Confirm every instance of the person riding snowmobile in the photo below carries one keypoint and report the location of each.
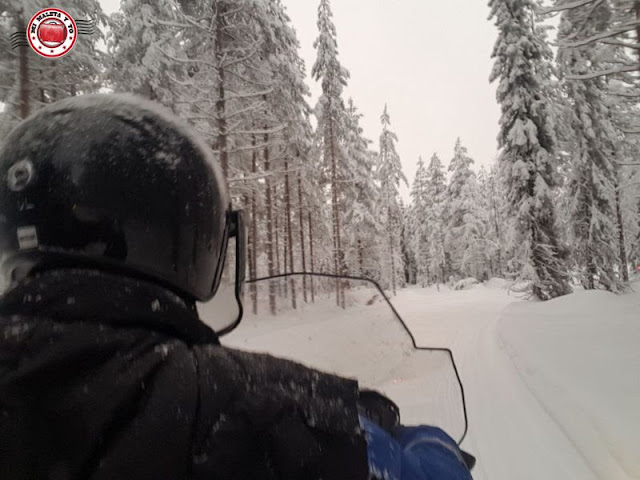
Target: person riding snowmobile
(114, 221)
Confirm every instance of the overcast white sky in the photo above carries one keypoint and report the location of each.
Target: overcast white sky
(429, 61)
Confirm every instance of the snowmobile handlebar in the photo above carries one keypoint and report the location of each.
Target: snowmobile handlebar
(386, 414)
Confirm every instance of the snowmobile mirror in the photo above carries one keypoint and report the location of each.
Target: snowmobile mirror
(224, 311)
(348, 327)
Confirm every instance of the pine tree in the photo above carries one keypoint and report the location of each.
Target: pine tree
(493, 207)
(436, 194)
(138, 37)
(612, 26)
(458, 201)
(418, 225)
(592, 177)
(526, 139)
(359, 195)
(390, 175)
(475, 233)
(331, 113)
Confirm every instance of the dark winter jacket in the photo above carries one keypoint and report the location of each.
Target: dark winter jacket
(103, 377)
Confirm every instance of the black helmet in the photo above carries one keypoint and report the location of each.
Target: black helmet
(115, 183)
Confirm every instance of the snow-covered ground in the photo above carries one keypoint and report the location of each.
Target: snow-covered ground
(553, 389)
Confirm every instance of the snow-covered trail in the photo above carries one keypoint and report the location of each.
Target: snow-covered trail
(510, 432)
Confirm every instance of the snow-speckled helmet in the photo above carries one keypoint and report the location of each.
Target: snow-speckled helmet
(115, 183)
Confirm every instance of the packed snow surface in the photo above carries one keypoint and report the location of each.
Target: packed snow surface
(552, 389)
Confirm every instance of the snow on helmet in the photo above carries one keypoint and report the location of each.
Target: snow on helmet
(115, 183)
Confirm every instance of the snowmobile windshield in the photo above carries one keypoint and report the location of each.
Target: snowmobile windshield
(346, 326)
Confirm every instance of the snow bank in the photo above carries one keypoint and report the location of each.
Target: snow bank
(579, 357)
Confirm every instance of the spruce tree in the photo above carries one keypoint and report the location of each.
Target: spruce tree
(359, 194)
(137, 39)
(418, 224)
(390, 176)
(435, 216)
(526, 140)
(591, 144)
(458, 207)
(330, 113)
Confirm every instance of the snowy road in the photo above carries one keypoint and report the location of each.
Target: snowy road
(509, 431)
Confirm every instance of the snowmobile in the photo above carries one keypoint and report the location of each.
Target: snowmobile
(347, 326)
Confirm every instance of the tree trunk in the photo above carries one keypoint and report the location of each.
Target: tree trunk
(25, 104)
(636, 265)
(221, 141)
(253, 236)
(334, 206)
(498, 239)
(285, 252)
(360, 258)
(287, 199)
(591, 275)
(313, 293)
(270, 259)
(636, 7)
(302, 249)
(276, 212)
(623, 250)
(392, 252)
(428, 272)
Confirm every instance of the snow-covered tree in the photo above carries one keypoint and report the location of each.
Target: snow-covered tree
(526, 140)
(390, 176)
(359, 194)
(592, 177)
(331, 113)
(458, 201)
(418, 225)
(495, 212)
(475, 233)
(436, 194)
(609, 25)
(137, 38)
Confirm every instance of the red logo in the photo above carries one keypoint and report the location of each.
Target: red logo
(52, 33)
